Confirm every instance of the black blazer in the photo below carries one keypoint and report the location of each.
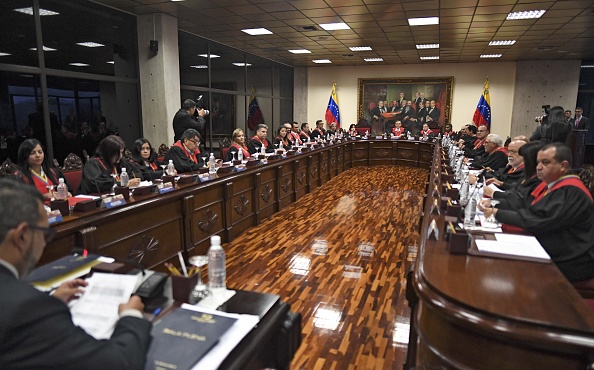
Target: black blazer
(37, 332)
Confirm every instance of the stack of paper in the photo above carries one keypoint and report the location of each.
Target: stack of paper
(514, 246)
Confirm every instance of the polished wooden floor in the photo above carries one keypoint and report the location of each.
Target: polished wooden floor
(338, 256)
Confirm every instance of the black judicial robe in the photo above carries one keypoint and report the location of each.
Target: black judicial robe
(494, 160)
(37, 333)
(563, 222)
(255, 144)
(518, 196)
(317, 133)
(182, 161)
(509, 176)
(97, 178)
(286, 145)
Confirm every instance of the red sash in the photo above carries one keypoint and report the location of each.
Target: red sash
(296, 136)
(265, 142)
(115, 171)
(569, 180)
(397, 131)
(192, 156)
(305, 133)
(41, 184)
(449, 133)
(153, 166)
(479, 143)
(246, 154)
(512, 170)
(320, 131)
(426, 133)
(501, 149)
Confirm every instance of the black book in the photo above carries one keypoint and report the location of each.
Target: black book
(53, 271)
(183, 337)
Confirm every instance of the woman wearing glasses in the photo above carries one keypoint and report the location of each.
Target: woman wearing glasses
(145, 158)
(185, 153)
(34, 169)
(100, 172)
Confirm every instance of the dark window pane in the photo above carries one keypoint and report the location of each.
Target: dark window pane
(18, 33)
(109, 36)
(193, 68)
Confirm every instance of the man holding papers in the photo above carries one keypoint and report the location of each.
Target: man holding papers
(559, 212)
(36, 330)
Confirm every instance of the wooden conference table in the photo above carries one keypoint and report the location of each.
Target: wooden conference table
(474, 312)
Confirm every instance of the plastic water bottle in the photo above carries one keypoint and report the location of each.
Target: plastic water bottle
(62, 189)
(470, 213)
(262, 150)
(212, 166)
(170, 168)
(124, 179)
(217, 271)
(240, 155)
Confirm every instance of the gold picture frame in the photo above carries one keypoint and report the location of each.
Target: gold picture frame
(371, 90)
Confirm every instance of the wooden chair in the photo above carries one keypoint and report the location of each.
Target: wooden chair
(224, 145)
(8, 168)
(72, 162)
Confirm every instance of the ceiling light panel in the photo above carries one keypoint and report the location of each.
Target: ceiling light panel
(360, 48)
(257, 31)
(300, 51)
(29, 11)
(90, 44)
(430, 58)
(211, 56)
(428, 46)
(335, 26)
(502, 43)
(423, 21)
(200, 66)
(79, 64)
(321, 61)
(373, 59)
(531, 14)
(491, 56)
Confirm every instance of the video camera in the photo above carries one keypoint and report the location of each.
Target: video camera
(200, 105)
(540, 119)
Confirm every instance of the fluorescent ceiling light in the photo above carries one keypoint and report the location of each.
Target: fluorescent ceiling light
(423, 21)
(90, 44)
(319, 61)
(360, 48)
(502, 43)
(29, 11)
(531, 14)
(200, 66)
(588, 66)
(429, 58)
(45, 48)
(257, 31)
(335, 26)
(211, 56)
(79, 64)
(300, 51)
(242, 64)
(111, 62)
(4, 54)
(491, 56)
(428, 46)
(373, 59)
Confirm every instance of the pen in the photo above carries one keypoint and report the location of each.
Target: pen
(155, 314)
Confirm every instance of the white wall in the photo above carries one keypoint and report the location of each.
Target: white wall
(468, 87)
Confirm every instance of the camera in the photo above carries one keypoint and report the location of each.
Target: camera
(200, 105)
(547, 109)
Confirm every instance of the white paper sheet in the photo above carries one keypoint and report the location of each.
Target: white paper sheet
(515, 245)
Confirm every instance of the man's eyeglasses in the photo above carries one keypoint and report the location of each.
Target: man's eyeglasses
(196, 142)
(48, 232)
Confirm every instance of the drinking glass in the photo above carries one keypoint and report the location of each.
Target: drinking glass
(163, 166)
(50, 189)
(200, 291)
(204, 161)
(491, 218)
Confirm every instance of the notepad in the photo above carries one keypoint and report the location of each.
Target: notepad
(513, 246)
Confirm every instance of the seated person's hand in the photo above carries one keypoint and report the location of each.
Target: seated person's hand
(135, 303)
(488, 211)
(70, 290)
(488, 169)
(472, 179)
(494, 181)
(483, 204)
(134, 182)
(488, 192)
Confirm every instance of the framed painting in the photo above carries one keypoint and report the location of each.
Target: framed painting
(381, 102)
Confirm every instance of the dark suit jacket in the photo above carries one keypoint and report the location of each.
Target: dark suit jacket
(584, 123)
(434, 114)
(36, 332)
(255, 145)
(183, 121)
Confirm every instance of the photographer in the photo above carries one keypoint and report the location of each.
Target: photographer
(184, 119)
(552, 128)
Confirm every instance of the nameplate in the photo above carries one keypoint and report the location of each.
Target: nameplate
(165, 188)
(54, 216)
(204, 177)
(379, 137)
(239, 168)
(115, 201)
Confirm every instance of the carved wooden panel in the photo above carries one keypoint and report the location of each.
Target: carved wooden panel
(144, 249)
(324, 166)
(405, 154)
(241, 205)
(301, 177)
(285, 183)
(359, 154)
(382, 153)
(208, 220)
(314, 171)
(266, 193)
(425, 156)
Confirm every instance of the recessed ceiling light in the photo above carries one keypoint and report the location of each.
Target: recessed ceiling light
(4, 54)
(300, 51)
(111, 62)
(257, 31)
(588, 66)
(321, 61)
(531, 14)
(423, 21)
(242, 64)
(491, 56)
(373, 59)
(200, 66)
(360, 48)
(79, 64)
(27, 76)
(502, 43)
(429, 58)
(45, 48)
(90, 44)
(335, 26)
(428, 46)
(211, 56)
(29, 11)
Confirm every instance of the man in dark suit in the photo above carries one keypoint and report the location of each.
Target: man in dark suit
(417, 100)
(568, 118)
(580, 122)
(376, 112)
(184, 119)
(433, 114)
(36, 329)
